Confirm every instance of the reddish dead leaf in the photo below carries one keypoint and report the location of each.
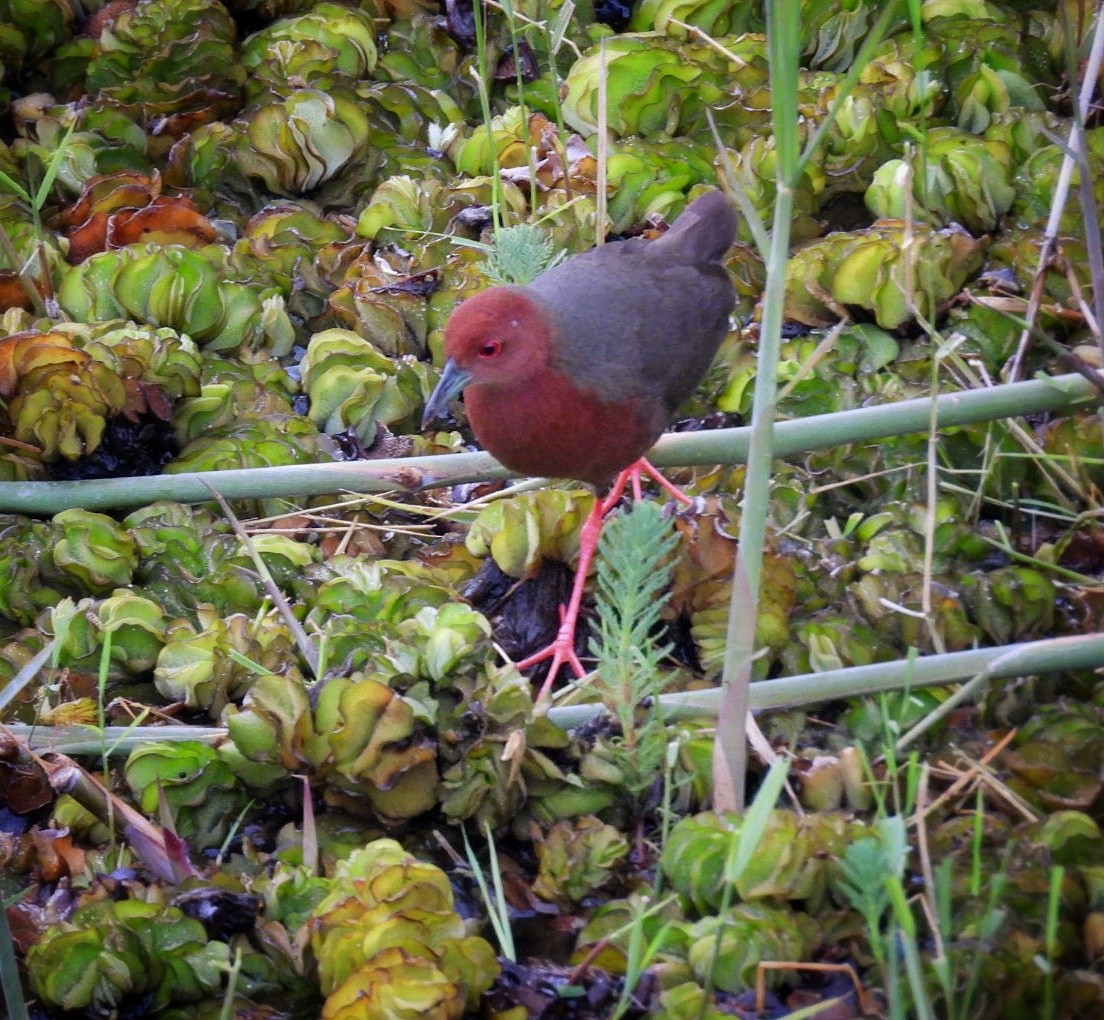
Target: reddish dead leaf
(24, 786)
(87, 239)
(710, 555)
(22, 353)
(156, 401)
(105, 193)
(27, 922)
(56, 857)
(189, 112)
(115, 210)
(359, 542)
(12, 292)
(553, 161)
(107, 15)
(162, 852)
(165, 220)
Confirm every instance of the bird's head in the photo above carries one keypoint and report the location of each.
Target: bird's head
(500, 337)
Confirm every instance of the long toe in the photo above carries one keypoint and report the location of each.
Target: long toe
(561, 652)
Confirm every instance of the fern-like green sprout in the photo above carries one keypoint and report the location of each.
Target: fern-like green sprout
(633, 573)
(520, 254)
(864, 868)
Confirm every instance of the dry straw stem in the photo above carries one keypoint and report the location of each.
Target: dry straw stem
(1075, 153)
(783, 49)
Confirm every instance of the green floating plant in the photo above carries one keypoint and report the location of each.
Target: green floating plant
(213, 662)
(165, 285)
(1037, 178)
(715, 17)
(327, 44)
(795, 858)
(955, 177)
(522, 532)
(40, 25)
(303, 140)
(726, 949)
(136, 626)
(66, 384)
(874, 270)
(389, 941)
(577, 857)
(113, 955)
(352, 385)
(203, 795)
(187, 42)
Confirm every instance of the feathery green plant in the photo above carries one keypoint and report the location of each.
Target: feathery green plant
(634, 569)
(865, 866)
(520, 254)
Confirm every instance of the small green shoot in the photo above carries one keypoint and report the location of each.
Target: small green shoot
(864, 868)
(741, 848)
(482, 73)
(101, 720)
(906, 936)
(233, 975)
(520, 254)
(498, 910)
(638, 957)
(976, 863)
(224, 850)
(37, 200)
(992, 919)
(1054, 903)
(634, 570)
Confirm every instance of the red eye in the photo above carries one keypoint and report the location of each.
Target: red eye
(490, 349)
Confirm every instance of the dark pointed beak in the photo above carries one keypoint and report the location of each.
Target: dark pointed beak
(452, 381)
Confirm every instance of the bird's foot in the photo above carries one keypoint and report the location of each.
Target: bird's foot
(631, 476)
(561, 652)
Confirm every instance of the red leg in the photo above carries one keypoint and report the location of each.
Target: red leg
(562, 649)
(644, 467)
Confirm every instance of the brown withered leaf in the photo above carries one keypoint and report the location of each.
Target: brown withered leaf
(25, 352)
(525, 60)
(553, 162)
(165, 220)
(115, 210)
(105, 193)
(12, 292)
(188, 112)
(24, 786)
(57, 857)
(107, 15)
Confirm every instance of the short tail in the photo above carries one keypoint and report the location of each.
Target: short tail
(704, 231)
